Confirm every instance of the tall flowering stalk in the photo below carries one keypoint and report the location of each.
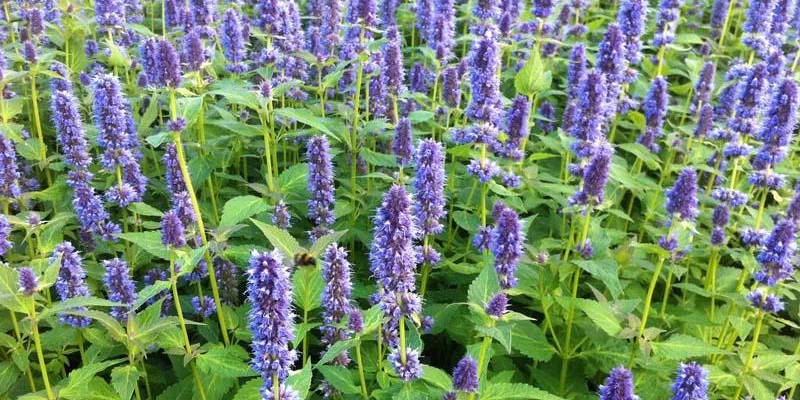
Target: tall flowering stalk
(757, 26)
(29, 286)
(632, 18)
(71, 282)
(618, 385)
(235, 33)
(271, 322)
(393, 262)
(119, 141)
(669, 12)
(320, 185)
(71, 137)
(681, 206)
(429, 183)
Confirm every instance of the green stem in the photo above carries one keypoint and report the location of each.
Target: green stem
(361, 378)
(39, 353)
(15, 324)
(487, 341)
(749, 360)
(200, 225)
(647, 302)
(186, 343)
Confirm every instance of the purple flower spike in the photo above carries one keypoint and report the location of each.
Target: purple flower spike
(28, 281)
(402, 145)
(682, 197)
(205, 307)
(465, 375)
(336, 297)
(443, 30)
(411, 370)
(320, 182)
(777, 258)
(778, 128)
(595, 177)
(719, 12)
(632, 21)
(618, 385)
(5, 232)
(281, 217)
(769, 303)
(506, 244)
(484, 62)
(429, 183)
(588, 121)
(691, 382)
(10, 175)
(120, 288)
(392, 255)
(516, 128)
(271, 318)
(71, 282)
(655, 110)
(234, 34)
(756, 26)
(669, 12)
(704, 86)
(497, 305)
(172, 230)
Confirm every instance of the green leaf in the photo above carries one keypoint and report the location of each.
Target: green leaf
(600, 314)
(8, 375)
(322, 243)
(307, 117)
(532, 78)
(333, 351)
(531, 341)
(240, 208)
(235, 92)
(9, 289)
(510, 391)
(483, 287)
(340, 378)
(436, 377)
(419, 116)
(149, 291)
(279, 238)
(681, 347)
(605, 270)
(237, 127)
(221, 361)
(72, 303)
(250, 390)
(145, 209)
(501, 333)
(642, 153)
(78, 380)
(149, 241)
(307, 284)
(301, 381)
(124, 379)
(179, 391)
(378, 159)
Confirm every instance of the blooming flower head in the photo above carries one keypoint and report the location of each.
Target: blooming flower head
(271, 317)
(429, 184)
(497, 305)
(204, 307)
(631, 18)
(402, 145)
(120, 287)
(392, 255)
(778, 128)
(172, 230)
(691, 382)
(320, 182)
(234, 34)
(484, 61)
(516, 127)
(757, 27)
(667, 22)
(704, 86)
(336, 297)
(443, 29)
(411, 369)
(71, 281)
(618, 385)
(655, 110)
(589, 121)
(719, 13)
(506, 244)
(5, 232)
(682, 197)
(281, 217)
(9, 169)
(769, 303)
(777, 257)
(465, 375)
(595, 177)
(28, 281)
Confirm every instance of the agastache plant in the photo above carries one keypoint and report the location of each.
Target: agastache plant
(320, 185)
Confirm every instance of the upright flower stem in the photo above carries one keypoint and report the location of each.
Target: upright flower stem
(200, 226)
(361, 378)
(725, 24)
(749, 360)
(566, 350)
(186, 343)
(37, 124)
(487, 341)
(132, 358)
(37, 341)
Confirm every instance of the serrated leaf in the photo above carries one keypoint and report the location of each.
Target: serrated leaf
(322, 243)
(149, 241)
(605, 270)
(340, 378)
(307, 284)
(124, 380)
(379, 159)
(682, 347)
(301, 381)
(334, 351)
(483, 287)
(78, 381)
(240, 208)
(307, 117)
(510, 391)
(531, 341)
(87, 301)
(532, 78)
(601, 314)
(279, 238)
(221, 361)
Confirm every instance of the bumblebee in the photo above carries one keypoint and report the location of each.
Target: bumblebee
(305, 259)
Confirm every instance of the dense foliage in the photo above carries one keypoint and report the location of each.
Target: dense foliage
(485, 199)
